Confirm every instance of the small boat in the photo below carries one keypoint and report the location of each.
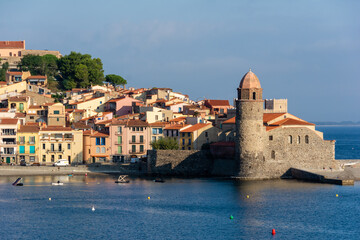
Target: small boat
(58, 183)
(122, 179)
(159, 180)
(18, 183)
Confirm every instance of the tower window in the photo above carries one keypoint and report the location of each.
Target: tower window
(307, 139)
(298, 141)
(254, 95)
(272, 154)
(271, 137)
(290, 139)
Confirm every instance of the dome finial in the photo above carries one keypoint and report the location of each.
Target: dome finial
(249, 69)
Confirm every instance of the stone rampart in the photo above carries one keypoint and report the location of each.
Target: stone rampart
(179, 162)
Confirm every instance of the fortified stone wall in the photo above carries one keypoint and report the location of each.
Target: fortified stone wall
(179, 162)
(295, 148)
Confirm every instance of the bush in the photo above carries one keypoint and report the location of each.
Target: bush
(165, 144)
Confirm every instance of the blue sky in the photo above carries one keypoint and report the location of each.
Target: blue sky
(306, 51)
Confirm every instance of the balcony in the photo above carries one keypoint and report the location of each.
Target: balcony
(20, 143)
(118, 133)
(136, 142)
(118, 143)
(31, 142)
(55, 151)
(136, 152)
(8, 133)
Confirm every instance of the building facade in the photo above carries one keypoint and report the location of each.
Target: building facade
(28, 144)
(8, 136)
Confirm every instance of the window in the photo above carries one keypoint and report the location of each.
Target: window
(32, 158)
(102, 142)
(307, 139)
(100, 102)
(52, 158)
(189, 134)
(183, 134)
(141, 139)
(103, 150)
(32, 117)
(273, 154)
(206, 134)
(119, 149)
(290, 139)
(60, 147)
(52, 147)
(32, 149)
(189, 148)
(183, 148)
(98, 150)
(57, 119)
(119, 139)
(160, 131)
(31, 140)
(183, 142)
(44, 158)
(60, 157)
(156, 117)
(97, 141)
(189, 141)
(137, 129)
(254, 95)
(271, 137)
(133, 129)
(133, 148)
(298, 140)
(141, 148)
(153, 139)
(22, 140)
(133, 138)
(119, 130)
(69, 146)
(141, 129)
(56, 112)
(154, 131)
(43, 145)
(21, 149)
(21, 106)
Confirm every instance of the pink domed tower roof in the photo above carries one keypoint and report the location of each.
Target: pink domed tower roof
(250, 80)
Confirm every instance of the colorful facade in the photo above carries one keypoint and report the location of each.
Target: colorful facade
(28, 144)
(96, 147)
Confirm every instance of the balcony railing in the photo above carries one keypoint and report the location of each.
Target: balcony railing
(31, 142)
(8, 134)
(136, 152)
(55, 151)
(8, 143)
(136, 142)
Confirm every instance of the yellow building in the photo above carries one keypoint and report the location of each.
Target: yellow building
(93, 104)
(60, 143)
(194, 137)
(19, 103)
(28, 142)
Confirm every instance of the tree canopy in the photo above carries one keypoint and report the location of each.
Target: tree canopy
(3, 70)
(40, 65)
(165, 144)
(115, 80)
(80, 70)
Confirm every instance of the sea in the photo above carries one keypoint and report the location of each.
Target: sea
(94, 207)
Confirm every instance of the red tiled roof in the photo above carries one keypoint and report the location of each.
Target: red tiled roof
(14, 73)
(178, 119)
(29, 128)
(136, 123)
(36, 77)
(55, 129)
(218, 102)
(20, 115)
(267, 117)
(76, 103)
(176, 127)
(8, 120)
(157, 124)
(196, 127)
(290, 121)
(18, 99)
(230, 121)
(4, 109)
(12, 44)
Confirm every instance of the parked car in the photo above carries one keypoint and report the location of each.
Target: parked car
(61, 163)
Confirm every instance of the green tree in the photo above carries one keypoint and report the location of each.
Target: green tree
(40, 65)
(115, 80)
(165, 144)
(3, 70)
(80, 70)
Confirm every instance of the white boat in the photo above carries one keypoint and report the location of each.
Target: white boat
(57, 183)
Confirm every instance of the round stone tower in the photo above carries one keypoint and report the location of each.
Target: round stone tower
(249, 128)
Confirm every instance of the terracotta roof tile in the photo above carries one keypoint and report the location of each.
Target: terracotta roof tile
(230, 121)
(18, 99)
(12, 44)
(56, 129)
(217, 102)
(196, 127)
(176, 126)
(36, 77)
(29, 128)
(267, 117)
(290, 121)
(8, 120)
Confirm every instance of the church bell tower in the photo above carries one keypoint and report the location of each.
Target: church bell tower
(249, 128)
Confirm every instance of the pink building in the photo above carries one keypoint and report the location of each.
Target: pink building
(121, 106)
(217, 106)
(129, 139)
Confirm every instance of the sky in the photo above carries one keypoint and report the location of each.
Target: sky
(305, 51)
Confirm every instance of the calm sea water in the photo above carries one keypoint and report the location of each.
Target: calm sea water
(347, 138)
(181, 208)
